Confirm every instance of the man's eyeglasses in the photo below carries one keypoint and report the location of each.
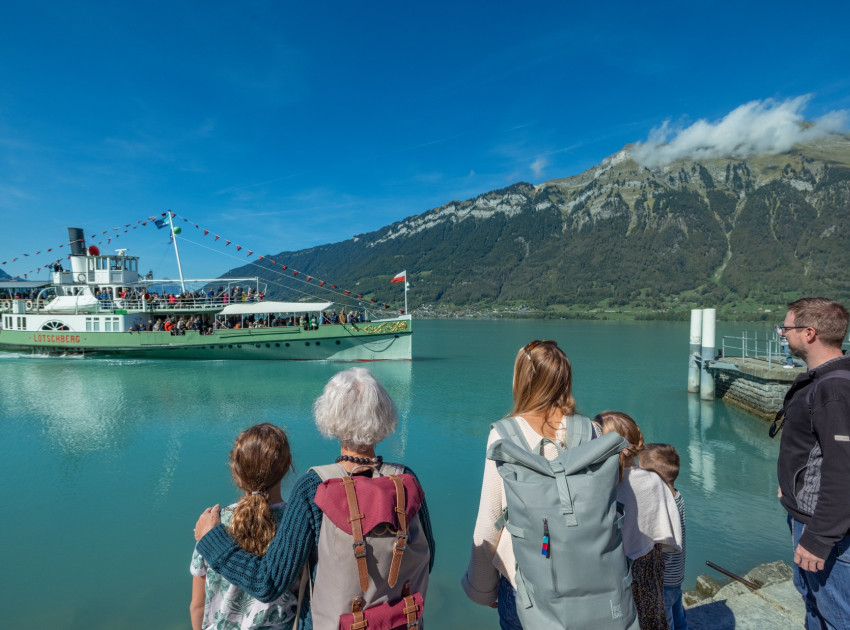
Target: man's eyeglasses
(782, 329)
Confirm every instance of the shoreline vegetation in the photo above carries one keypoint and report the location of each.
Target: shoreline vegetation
(727, 312)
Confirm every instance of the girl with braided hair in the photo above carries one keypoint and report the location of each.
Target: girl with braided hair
(651, 523)
(259, 460)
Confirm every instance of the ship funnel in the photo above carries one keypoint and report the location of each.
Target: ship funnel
(77, 241)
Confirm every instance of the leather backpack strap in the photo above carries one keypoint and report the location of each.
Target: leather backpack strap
(411, 608)
(359, 545)
(401, 534)
(359, 622)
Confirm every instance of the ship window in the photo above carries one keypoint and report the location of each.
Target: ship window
(307, 343)
(277, 345)
(287, 344)
(337, 342)
(268, 345)
(54, 324)
(317, 343)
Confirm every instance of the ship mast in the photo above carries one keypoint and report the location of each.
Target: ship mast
(176, 253)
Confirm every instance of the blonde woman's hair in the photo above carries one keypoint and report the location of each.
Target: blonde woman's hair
(259, 459)
(624, 425)
(543, 379)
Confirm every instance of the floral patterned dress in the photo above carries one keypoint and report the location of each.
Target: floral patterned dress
(227, 607)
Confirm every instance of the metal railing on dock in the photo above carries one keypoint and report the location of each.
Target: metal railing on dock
(764, 346)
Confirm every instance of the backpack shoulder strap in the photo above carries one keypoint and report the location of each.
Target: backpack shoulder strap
(810, 398)
(578, 429)
(329, 471)
(386, 469)
(508, 429)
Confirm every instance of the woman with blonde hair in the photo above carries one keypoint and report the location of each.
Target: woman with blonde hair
(544, 411)
(651, 522)
(259, 461)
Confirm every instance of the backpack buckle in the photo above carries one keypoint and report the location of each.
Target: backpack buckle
(400, 541)
(362, 545)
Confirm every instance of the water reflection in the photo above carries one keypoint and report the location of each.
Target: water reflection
(700, 448)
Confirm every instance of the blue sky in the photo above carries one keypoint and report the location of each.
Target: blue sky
(283, 125)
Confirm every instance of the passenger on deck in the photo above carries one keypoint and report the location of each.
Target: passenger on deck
(343, 318)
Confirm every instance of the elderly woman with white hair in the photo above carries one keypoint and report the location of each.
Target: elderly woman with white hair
(355, 409)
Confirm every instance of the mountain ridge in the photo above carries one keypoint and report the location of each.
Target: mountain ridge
(709, 232)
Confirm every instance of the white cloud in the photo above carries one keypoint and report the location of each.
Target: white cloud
(538, 166)
(755, 128)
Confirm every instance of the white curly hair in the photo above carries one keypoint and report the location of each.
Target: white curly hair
(355, 409)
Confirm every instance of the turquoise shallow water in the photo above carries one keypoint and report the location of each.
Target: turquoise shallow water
(106, 463)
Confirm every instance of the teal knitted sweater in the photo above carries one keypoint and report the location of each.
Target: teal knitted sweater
(295, 542)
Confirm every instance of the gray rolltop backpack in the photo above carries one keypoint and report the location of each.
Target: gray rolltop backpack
(564, 523)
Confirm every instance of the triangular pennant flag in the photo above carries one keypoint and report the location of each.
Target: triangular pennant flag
(206, 232)
(226, 242)
(238, 248)
(217, 237)
(322, 283)
(250, 252)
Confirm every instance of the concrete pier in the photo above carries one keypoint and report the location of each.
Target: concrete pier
(755, 385)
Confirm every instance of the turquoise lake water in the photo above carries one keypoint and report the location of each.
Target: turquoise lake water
(106, 464)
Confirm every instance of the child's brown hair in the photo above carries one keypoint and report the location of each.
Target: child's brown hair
(624, 424)
(663, 460)
(259, 459)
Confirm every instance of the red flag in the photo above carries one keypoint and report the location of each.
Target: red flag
(283, 267)
(206, 232)
(347, 292)
(226, 242)
(238, 248)
(259, 257)
(294, 272)
(321, 284)
(216, 236)
(309, 278)
(250, 252)
(399, 277)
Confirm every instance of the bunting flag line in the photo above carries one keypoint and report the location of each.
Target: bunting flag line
(161, 221)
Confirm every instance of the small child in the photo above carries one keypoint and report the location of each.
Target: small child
(259, 460)
(651, 523)
(664, 460)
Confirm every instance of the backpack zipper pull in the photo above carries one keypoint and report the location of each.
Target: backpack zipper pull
(545, 549)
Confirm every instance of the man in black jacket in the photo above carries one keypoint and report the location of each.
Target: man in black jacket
(814, 460)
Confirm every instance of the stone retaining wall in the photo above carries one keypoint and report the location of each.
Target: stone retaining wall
(758, 395)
